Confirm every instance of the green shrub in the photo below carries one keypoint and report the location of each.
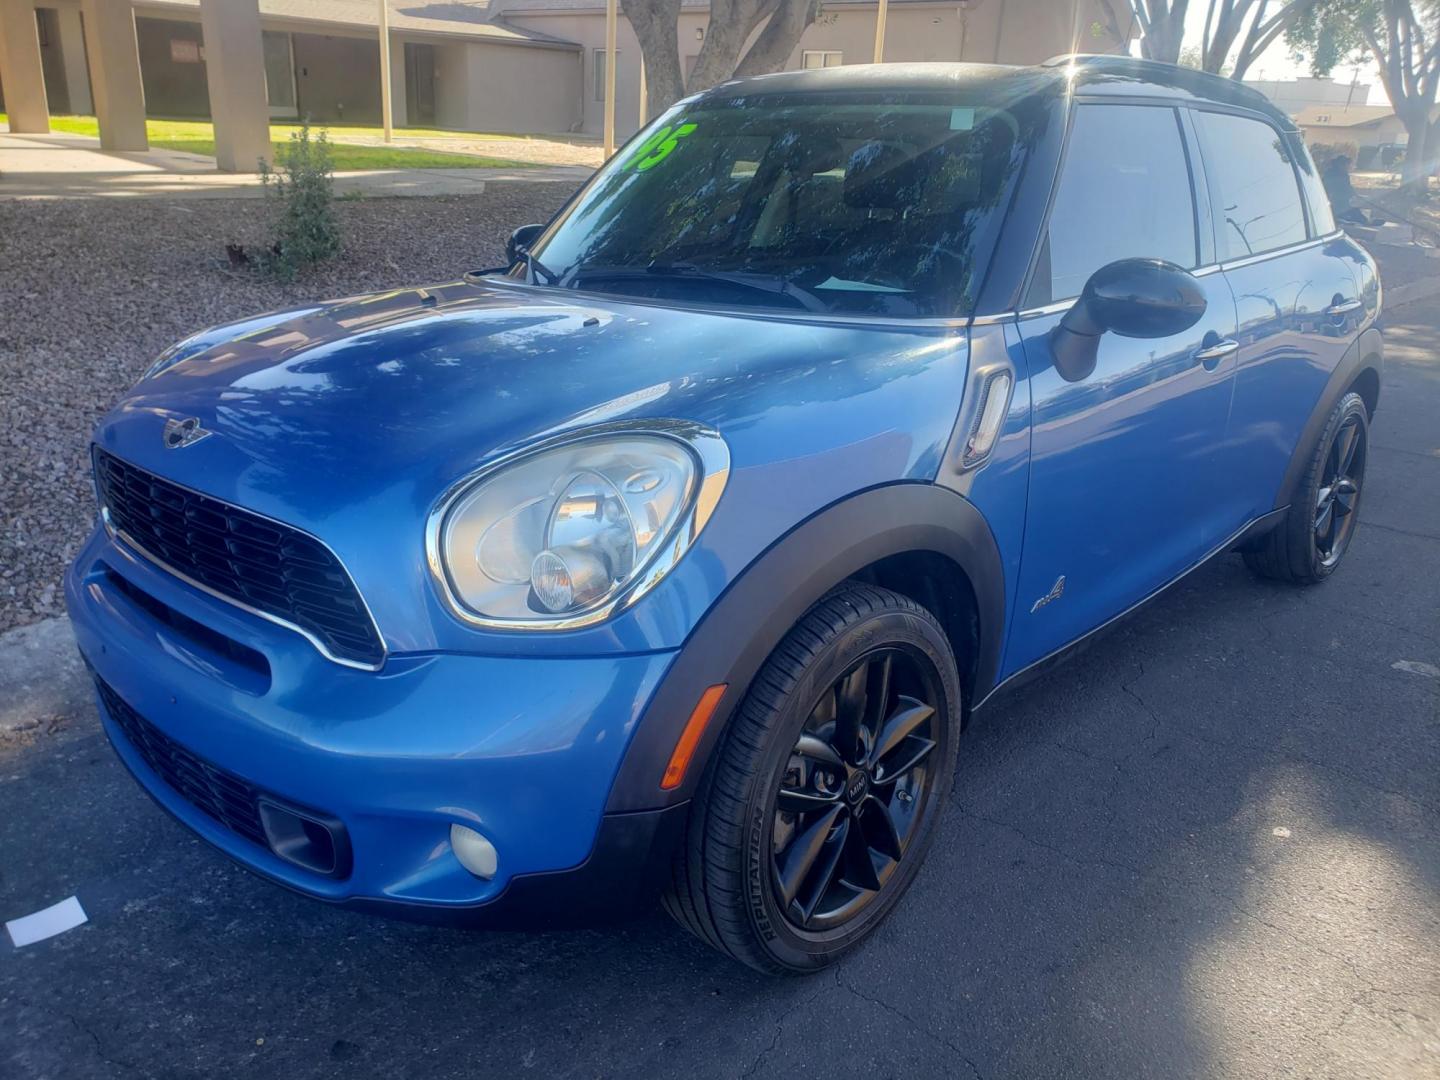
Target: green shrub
(301, 191)
(1324, 153)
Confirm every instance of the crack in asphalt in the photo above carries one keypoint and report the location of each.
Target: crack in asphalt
(1067, 856)
(1421, 454)
(1364, 524)
(1283, 756)
(1367, 617)
(1300, 759)
(100, 1051)
(921, 1028)
(841, 984)
(1176, 883)
(780, 1028)
(1155, 721)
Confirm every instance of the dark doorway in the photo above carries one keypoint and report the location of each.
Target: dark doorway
(419, 84)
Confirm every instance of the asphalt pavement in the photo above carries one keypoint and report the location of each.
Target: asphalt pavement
(1209, 847)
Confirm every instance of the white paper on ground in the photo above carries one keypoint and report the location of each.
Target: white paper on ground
(55, 919)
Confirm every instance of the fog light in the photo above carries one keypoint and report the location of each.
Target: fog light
(475, 853)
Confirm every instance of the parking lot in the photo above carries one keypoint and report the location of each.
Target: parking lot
(1209, 847)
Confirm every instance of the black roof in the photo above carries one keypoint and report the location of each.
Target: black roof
(1090, 76)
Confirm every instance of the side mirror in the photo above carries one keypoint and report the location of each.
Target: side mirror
(1139, 298)
(520, 240)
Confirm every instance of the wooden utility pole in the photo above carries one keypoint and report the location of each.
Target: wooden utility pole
(880, 31)
(385, 95)
(611, 18)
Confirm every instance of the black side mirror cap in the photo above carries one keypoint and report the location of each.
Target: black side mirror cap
(520, 241)
(1139, 298)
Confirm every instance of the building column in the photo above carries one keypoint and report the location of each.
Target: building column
(72, 54)
(115, 74)
(235, 71)
(21, 69)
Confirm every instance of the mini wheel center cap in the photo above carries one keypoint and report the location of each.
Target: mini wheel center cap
(857, 787)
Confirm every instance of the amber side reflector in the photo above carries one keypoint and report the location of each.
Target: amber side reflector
(690, 737)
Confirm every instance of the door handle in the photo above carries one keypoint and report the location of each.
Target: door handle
(1211, 355)
(1344, 307)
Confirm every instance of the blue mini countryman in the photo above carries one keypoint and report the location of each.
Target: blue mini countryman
(672, 558)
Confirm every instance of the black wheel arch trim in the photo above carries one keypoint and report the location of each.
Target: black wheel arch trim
(745, 625)
(1367, 352)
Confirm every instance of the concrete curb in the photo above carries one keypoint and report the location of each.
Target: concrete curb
(1409, 293)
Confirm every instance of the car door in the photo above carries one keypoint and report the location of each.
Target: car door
(1296, 290)
(1123, 497)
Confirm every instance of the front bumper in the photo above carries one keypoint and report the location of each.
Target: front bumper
(524, 750)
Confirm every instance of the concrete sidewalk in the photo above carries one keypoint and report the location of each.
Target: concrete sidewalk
(60, 166)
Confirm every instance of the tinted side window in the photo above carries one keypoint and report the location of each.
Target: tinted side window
(1252, 181)
(1322, 216)
(1124, 193)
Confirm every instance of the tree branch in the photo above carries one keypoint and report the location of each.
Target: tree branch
(777, 41)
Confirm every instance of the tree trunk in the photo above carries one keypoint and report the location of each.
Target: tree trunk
(731, 23)
(1415, 169)
(777, 41)
(654, 23)
(1223, 23)
(1163, 28)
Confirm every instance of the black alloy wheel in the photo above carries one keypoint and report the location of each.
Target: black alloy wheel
(820, 801)
(852, 794)
(1311, 540)
(1338, 495)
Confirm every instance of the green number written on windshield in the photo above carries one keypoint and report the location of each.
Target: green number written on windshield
(658, 146)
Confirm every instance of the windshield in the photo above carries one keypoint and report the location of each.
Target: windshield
(861, 202)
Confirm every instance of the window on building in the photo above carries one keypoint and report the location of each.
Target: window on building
(279, 72)
(600, 72)
(821, 58)
(1258, 207)
(1124, 193)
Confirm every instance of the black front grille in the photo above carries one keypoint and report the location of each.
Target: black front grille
(247, 558)
(225, 797)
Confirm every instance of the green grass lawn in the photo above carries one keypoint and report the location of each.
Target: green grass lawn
(198, 137)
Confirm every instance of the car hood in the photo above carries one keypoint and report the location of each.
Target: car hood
(351, 419)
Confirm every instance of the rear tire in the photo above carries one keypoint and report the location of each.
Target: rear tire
(1312, 539)
(842, 754)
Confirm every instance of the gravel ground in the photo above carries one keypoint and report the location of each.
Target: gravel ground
(91, 291)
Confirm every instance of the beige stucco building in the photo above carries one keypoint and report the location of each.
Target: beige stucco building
(478, 65)
(981, 31)
(1374, 131)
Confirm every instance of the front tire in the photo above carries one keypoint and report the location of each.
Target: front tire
(822, 798)
(1309, 544)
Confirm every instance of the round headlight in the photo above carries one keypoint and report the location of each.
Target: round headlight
(562, 535)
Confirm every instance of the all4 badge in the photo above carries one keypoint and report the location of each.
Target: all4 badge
(1056, 591)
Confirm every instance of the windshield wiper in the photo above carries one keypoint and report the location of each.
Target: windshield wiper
(768, 283)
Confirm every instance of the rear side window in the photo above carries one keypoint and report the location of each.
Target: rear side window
(1258, 207)
(1124, 193)
(1322, 217)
